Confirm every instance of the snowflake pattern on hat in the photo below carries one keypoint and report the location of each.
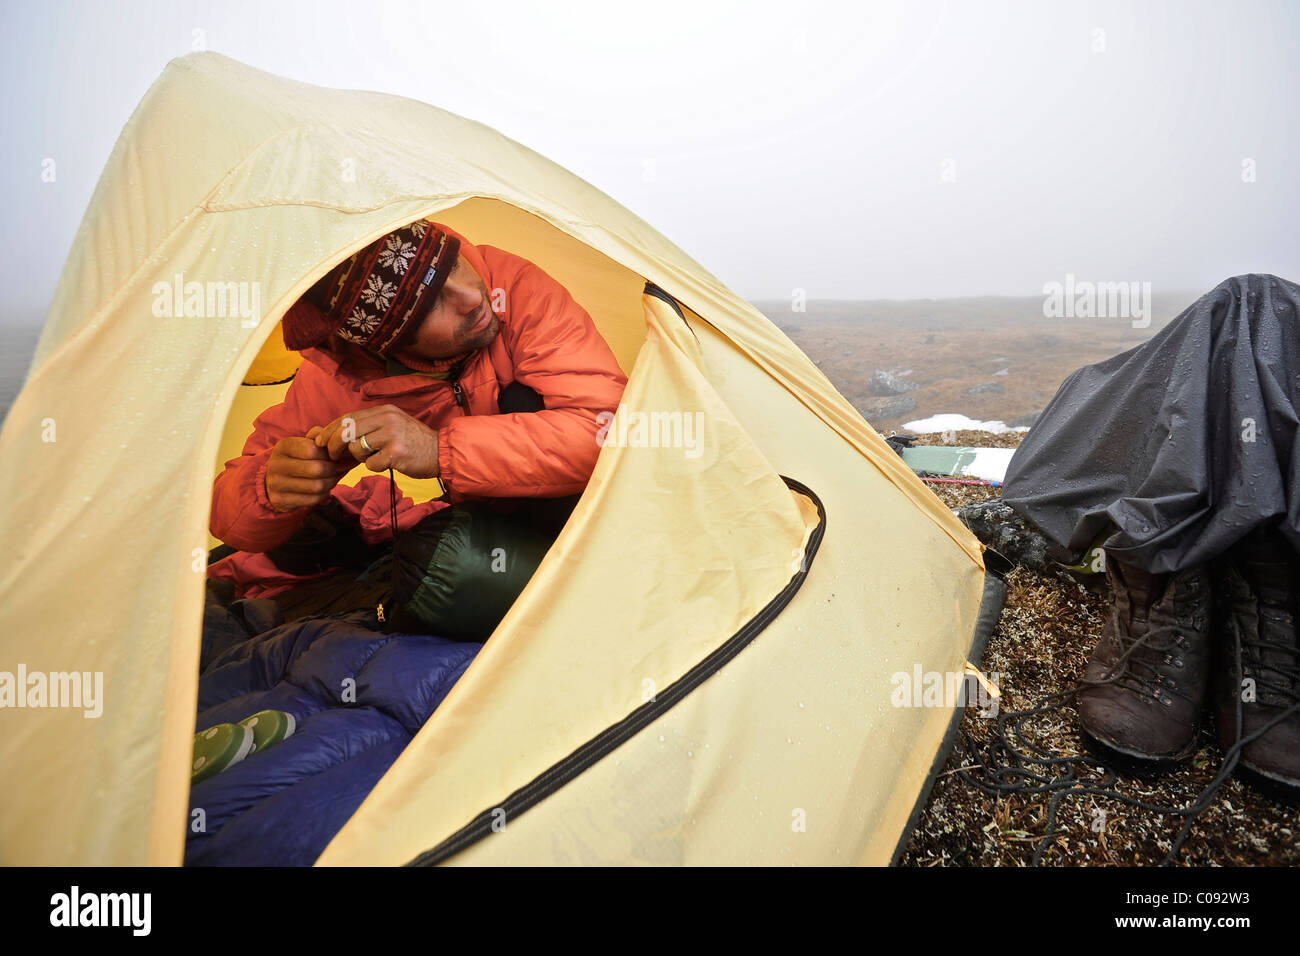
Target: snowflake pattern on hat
(379, 295)
(397, 255)
(359, 326)
(378, 292)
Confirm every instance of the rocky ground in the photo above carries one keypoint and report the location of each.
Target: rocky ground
(989, 357)
(1048, 628)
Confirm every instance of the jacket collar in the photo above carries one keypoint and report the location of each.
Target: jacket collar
(436, 368)
(375, 375)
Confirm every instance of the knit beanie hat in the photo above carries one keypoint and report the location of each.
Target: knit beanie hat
(377, 297)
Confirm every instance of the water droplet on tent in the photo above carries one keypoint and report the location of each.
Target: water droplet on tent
(690, 753)
(661, 738)
(788, 740)
(801, 705)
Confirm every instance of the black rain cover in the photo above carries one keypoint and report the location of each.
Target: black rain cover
(1180, 446)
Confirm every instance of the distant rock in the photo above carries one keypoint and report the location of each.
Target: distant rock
(928, 340)
(884, 408)
(887, 383)
(988, 388)
(1025, 421)
(791, 328)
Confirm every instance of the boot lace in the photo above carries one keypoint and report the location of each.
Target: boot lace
(1137, 667)
(1281, 680)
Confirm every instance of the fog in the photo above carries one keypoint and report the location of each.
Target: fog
(852, 151)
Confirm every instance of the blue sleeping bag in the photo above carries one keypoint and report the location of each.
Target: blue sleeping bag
(358, 697)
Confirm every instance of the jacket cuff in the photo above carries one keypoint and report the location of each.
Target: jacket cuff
(446, 467)
(259, 485)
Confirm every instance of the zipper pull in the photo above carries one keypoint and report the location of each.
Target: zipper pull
(379, 611)
(454, 380)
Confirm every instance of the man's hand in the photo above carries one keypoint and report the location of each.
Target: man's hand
(299, 473)
(392, 439)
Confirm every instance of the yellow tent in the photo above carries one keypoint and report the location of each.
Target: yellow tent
(700, 671)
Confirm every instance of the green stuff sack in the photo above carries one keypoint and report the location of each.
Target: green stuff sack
(269, 727)
(459, 570)
(217, 748)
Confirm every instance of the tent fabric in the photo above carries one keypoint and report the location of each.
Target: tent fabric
(227, 175)
(1176, 449)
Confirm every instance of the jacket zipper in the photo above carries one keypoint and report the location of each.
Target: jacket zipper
(457, 392)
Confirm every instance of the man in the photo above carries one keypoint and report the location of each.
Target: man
(414, 350)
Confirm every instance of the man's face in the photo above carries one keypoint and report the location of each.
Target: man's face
(461, 319)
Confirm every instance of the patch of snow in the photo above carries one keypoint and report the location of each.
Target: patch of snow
(990, 463)
(952, 422)
(1002, 371)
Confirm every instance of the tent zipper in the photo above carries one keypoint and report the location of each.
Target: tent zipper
(612, 737)
(658, 293)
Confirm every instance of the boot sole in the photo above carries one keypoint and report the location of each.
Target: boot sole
(1284, 789)
(1135, 761)
(1269, 782)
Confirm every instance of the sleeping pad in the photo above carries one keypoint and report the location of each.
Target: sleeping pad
(358, 696)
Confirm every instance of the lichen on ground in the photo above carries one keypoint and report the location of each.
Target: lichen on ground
(1049, 626)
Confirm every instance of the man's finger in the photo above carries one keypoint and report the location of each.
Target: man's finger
(322, 436)
(344, 431)
(302, 449)
(288, 502)
(339, 438)
(379, 461)
(375, 439)
(314, 487)
(317, 468)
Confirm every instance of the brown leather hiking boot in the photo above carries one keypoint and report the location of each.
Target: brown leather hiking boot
(1144, 690)
(1259, 697)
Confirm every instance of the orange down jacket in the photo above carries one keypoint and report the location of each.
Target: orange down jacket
(546, 341)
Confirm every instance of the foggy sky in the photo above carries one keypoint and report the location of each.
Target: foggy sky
(890, 150)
